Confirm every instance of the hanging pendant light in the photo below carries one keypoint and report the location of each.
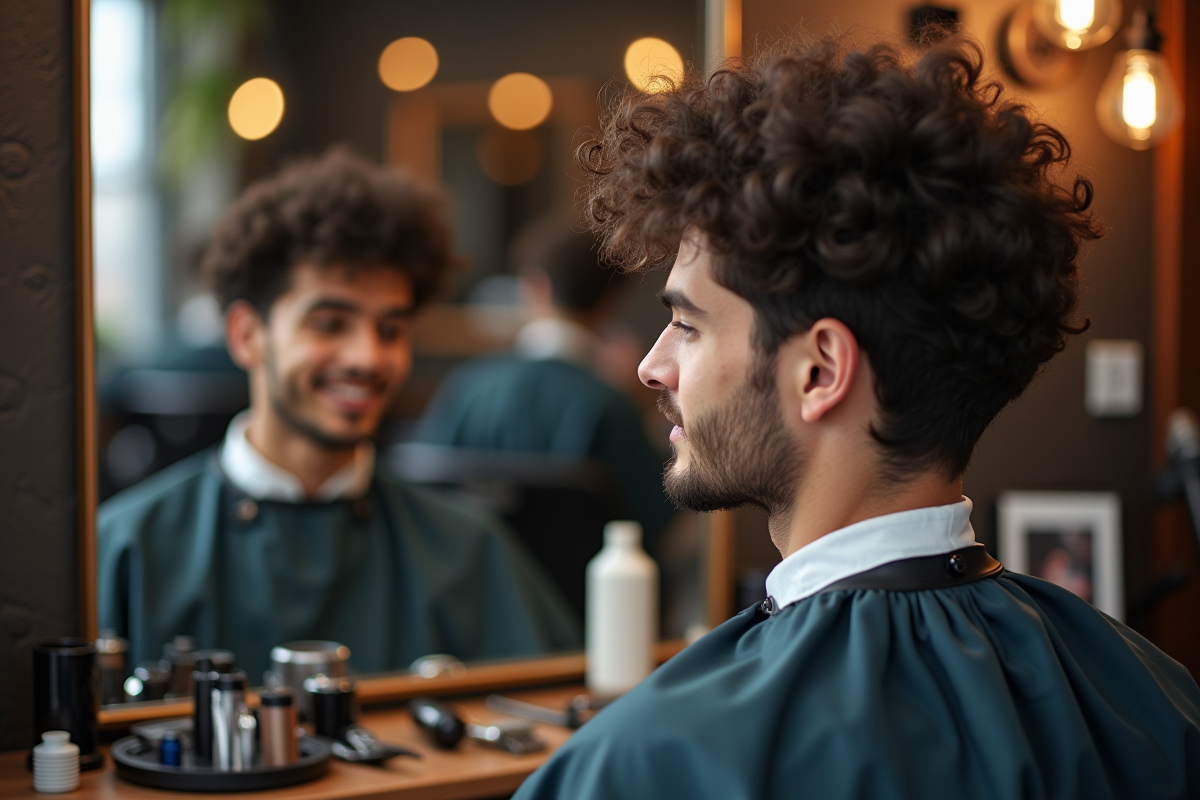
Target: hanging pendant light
(1138, 104)
(1077, 24)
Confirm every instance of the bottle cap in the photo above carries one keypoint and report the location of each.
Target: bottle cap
(623, 532)
(276, 697)
(232, 681)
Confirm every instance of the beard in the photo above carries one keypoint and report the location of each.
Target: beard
(741, 453)
(286, 399)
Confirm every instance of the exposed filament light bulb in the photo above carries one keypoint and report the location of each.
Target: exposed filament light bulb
(1138, 104)
(1076, 15)
(1077, 24)
(1139, 97)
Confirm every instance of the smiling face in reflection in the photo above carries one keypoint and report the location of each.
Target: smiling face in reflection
(335, 349)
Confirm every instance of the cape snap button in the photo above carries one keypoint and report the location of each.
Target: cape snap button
(246, 510)
(768, 607)
(956, 565)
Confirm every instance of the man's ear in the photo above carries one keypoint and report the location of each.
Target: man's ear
(245, 335)
(824, 367)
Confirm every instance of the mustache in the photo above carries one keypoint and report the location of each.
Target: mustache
(375, 379)
(666, 406)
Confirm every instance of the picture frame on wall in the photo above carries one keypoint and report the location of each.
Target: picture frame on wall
(1072, 539)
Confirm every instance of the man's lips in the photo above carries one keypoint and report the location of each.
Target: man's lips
(666, 407)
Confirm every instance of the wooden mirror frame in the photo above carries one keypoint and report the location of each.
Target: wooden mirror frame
(723, 24)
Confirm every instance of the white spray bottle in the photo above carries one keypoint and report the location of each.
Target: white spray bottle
(622, 611)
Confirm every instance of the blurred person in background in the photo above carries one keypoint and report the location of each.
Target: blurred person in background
(288, 530)
(547, 395)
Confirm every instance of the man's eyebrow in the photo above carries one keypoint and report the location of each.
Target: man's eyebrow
(335, 304)
(673, 298)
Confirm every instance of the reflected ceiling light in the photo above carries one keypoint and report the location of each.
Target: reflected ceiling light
(1138, 104)
(256, 108)
(520, 101)
(653, 65)
(509, 157)
(407, 64)
(1077, 24)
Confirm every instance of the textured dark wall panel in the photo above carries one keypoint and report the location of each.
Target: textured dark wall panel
(38, 595)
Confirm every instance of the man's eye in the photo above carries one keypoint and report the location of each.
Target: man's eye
(328, 324)
(392, 331)
(683, 328)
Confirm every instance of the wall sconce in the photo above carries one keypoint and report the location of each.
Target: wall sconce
(1138, 104)
(1077, 24)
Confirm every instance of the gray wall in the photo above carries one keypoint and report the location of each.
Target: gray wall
(38, 586)
(1045, 440)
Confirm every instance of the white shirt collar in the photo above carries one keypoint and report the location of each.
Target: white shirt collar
(560, 339)
(869, 544)
(251, 472)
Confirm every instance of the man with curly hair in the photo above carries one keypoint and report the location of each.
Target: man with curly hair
(872, 256)
(288, 530)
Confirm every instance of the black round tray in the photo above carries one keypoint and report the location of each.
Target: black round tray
(137, 762)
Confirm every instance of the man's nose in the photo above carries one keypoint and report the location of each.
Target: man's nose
(658, 369)
(365, 349)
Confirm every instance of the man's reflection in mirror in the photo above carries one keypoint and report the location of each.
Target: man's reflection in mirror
(288, 529)
(550, 394)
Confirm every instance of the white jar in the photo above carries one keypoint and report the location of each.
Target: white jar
(56, 763)
(622, 612)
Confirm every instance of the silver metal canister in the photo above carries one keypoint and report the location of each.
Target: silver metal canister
(295, 661)
(233, 724)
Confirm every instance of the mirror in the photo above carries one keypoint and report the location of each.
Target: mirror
(167, 163)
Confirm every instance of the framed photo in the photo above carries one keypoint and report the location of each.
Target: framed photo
(1072, 539)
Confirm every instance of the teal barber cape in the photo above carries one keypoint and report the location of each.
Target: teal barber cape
(398, 574)
(1003, 689)
(517, 404)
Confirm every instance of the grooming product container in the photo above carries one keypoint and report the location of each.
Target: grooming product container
(55, 763)
(277, 727)
(333, 704)
(622, 612)
(293, 662)
(233, 724)
(204, 680)
(178, 657)
(65, 696)
(112, 661)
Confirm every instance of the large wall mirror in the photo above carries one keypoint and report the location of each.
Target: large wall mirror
(170, 153)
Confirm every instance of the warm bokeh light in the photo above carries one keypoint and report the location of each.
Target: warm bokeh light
(256, 108)
(653, 65)
(520, 101)
(1076, 15)
(1140, 98)
(1077, 24)
(407, 64)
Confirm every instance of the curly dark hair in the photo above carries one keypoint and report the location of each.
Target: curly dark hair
(334, 209)
(894, 191)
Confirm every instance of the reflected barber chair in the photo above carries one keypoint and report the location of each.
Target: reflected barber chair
(155, 415)
(556, 505)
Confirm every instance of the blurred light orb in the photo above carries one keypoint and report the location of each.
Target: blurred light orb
(256, 108)
(653, 65)
(520, 101)
(408, 64)
(509, 157)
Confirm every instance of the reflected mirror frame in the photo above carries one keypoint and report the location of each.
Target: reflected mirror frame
(723, 34)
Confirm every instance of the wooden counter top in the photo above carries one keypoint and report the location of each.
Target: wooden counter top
(470, 771)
